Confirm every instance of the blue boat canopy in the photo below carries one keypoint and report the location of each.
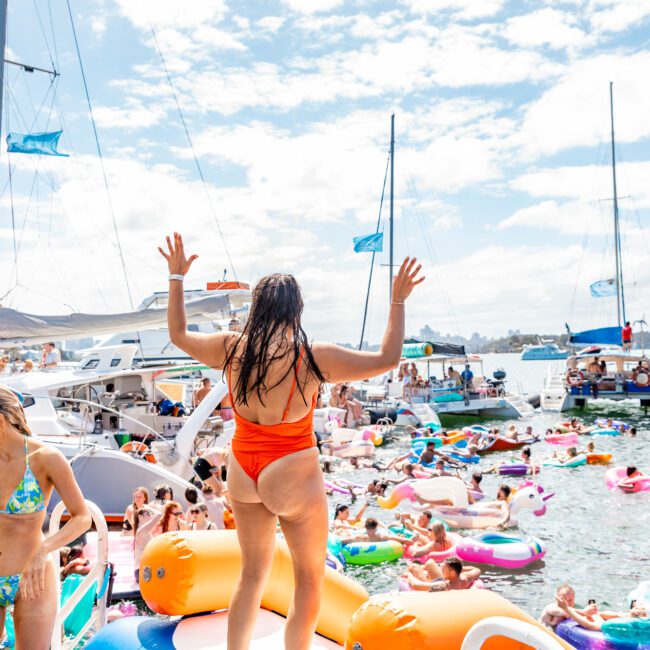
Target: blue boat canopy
(602, 336)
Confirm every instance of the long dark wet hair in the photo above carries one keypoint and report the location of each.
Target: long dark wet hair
(277, 305)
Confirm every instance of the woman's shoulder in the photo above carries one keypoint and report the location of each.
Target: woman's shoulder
(44, 455)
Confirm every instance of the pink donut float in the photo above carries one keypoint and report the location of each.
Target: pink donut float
(615, 475)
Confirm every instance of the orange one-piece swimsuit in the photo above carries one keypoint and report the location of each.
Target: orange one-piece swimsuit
(256, 446)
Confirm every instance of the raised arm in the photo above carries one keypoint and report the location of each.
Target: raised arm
(341, 364)
(209, 349)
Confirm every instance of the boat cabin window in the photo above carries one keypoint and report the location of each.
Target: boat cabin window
(91, 363)
(28, 401)
(115, 361)
(193, 327)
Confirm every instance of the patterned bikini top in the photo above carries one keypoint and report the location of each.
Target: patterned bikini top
(28, 497)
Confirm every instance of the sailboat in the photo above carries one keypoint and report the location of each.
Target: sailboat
(625, 375)
(65, 407)
(485, 398)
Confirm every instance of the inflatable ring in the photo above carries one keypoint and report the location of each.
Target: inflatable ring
(576, 380)
(642, 380)
(139, 449)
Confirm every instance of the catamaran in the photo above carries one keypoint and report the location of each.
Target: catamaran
(621, 375)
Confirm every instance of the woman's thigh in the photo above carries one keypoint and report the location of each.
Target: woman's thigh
(34, 619)
(241, 486)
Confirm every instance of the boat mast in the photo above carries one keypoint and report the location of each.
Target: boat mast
(620, 292)
(392, 187)
(3, 40)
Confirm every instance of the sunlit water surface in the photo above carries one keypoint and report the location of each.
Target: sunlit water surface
(596, 540)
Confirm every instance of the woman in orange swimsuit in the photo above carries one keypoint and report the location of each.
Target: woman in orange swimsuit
(274, 472)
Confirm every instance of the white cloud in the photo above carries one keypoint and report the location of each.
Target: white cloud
(547, 26)
(569, 218)
(466, 9)
(168, 13)
(447, 222)
(575, 111)
(617, 15)
(312, 6)
(271, 24)
(134, 117)
(588, 182)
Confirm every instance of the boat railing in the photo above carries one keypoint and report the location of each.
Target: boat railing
(96, 580)
(100, 407)
(510, 628)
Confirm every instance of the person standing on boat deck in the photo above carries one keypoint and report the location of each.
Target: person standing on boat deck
(274, 472)
(467, 376)
(29, 471)
(626, 335)
(51, 356)
(202, 393)
(454, 376)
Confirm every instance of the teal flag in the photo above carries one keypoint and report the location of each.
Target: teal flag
(603, 288)
(369, 243)
(35, 143)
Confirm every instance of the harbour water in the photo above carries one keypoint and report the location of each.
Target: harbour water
(596, 540)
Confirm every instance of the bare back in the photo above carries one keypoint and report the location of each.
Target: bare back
(271, 410)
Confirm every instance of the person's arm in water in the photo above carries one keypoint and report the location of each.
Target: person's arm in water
(340, 364)
(210, 349)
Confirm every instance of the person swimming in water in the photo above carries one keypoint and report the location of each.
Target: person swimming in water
(449, 576)
(438, 541)
(371, 534)
(628, 482)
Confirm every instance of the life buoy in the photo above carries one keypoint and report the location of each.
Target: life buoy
(138, 448)
(642, 380)
(575, 379)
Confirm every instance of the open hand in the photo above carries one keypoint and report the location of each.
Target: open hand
(32, 581)
(406, 279)
(176, 260)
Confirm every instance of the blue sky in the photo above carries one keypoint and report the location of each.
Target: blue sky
(502, 178)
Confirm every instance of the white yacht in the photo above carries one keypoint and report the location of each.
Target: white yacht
(154, 346)
(574, 385)
(485, 397)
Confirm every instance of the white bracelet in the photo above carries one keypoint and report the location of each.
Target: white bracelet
(176, 276)
(393, 302)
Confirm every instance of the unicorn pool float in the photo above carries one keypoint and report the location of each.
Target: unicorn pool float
(346, 443)
(461, 514)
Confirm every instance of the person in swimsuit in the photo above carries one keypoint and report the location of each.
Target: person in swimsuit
(29, 471)
(274, 472)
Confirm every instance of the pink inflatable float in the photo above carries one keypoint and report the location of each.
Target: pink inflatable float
(438, 556)
(497, 549)
(562, 438)
(615, 475)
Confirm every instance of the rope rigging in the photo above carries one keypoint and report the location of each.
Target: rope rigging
(196, 159)
(101, 158)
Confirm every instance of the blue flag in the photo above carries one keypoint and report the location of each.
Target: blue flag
(39, 143)
(603, 288)
(369, 243)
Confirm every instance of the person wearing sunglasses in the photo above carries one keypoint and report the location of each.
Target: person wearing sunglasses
(199, 518)
(172, 519)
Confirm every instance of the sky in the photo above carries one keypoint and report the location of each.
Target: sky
(503, 181)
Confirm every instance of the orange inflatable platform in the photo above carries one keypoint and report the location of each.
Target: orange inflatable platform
(432, 621)
(196, 571)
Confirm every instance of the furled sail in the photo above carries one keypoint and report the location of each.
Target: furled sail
(601, 336)
(18, 328)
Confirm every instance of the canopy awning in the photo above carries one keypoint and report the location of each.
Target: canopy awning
(18, 328)
(601, 336)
